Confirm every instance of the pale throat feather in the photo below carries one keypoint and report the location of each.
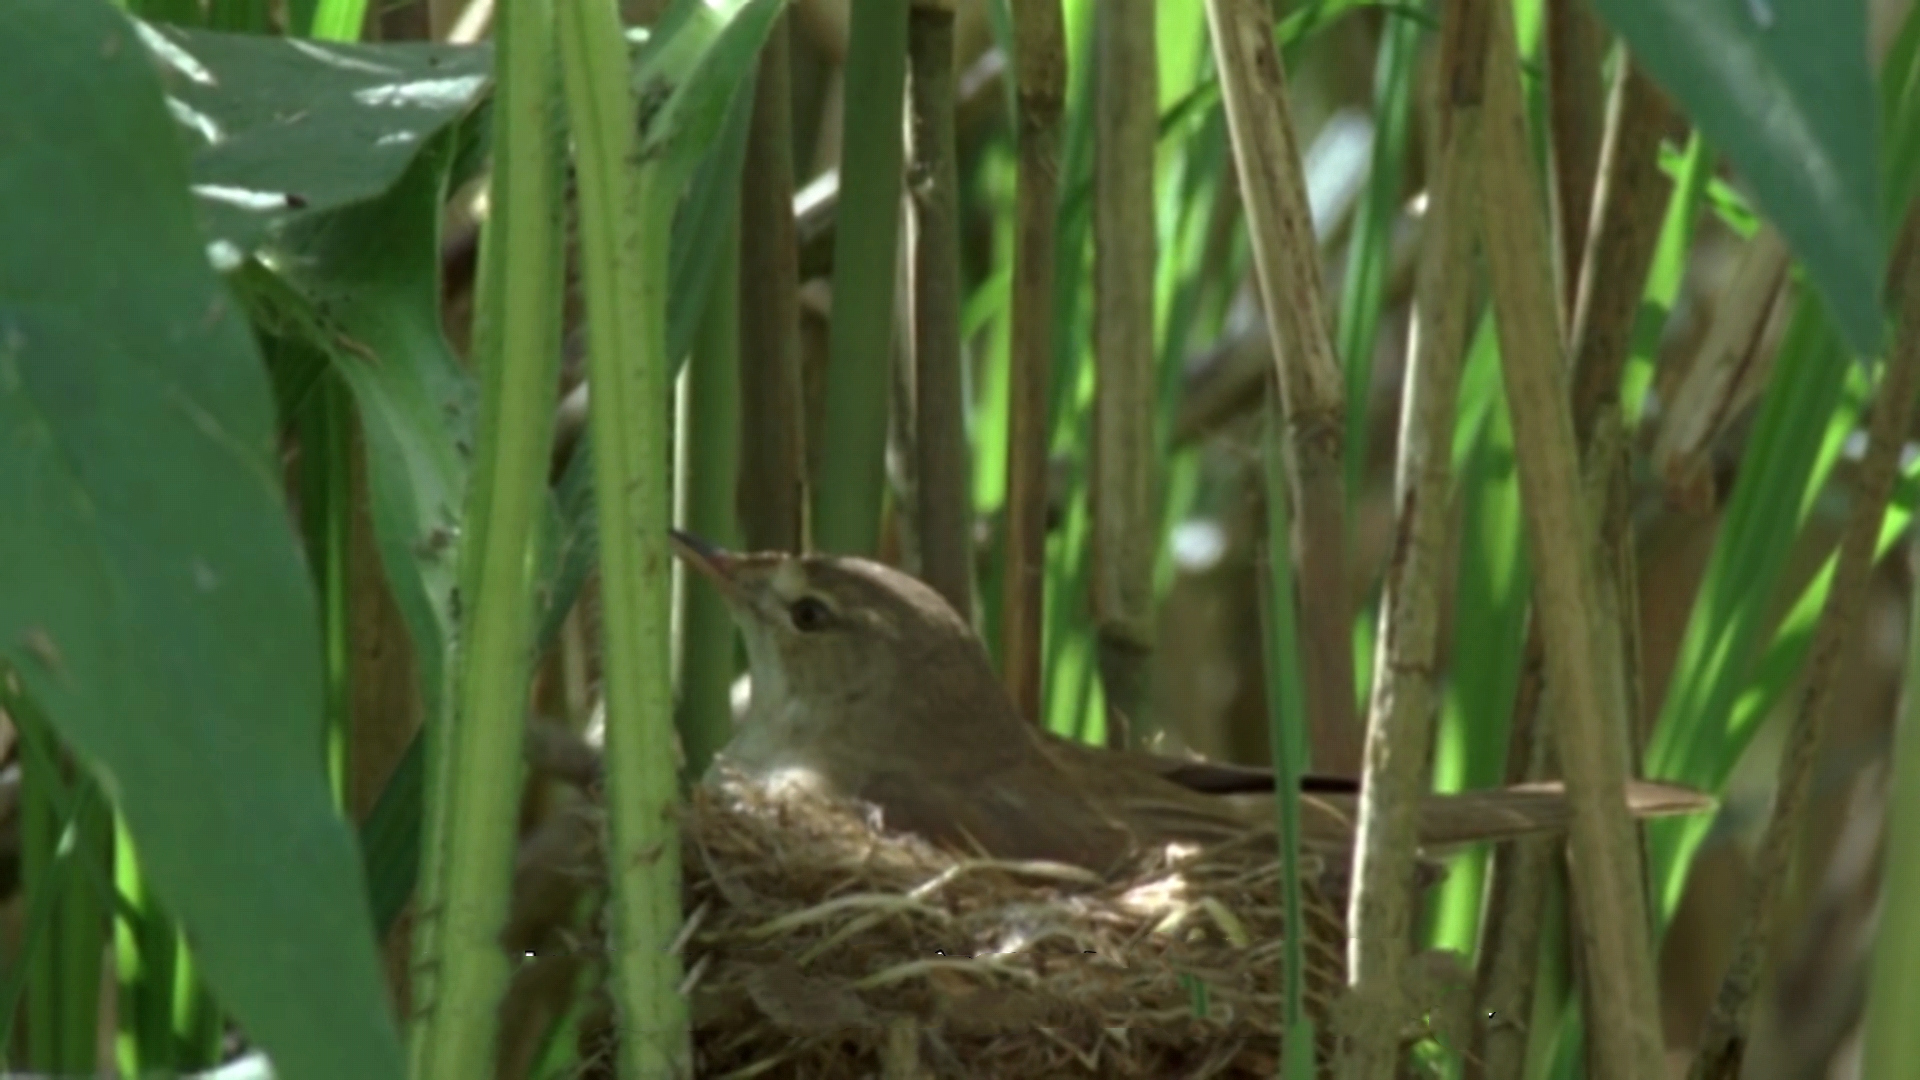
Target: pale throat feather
(777, 737)
(783, 738)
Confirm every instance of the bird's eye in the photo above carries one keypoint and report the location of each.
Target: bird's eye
(809, 614)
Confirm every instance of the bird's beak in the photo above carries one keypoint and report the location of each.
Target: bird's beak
(712, 561)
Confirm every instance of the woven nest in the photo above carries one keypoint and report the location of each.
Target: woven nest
(822, 947)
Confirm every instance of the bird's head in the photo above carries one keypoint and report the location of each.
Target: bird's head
(831, 631)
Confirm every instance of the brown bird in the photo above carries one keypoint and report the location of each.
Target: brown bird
(867, 685)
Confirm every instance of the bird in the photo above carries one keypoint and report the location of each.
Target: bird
(868, 686)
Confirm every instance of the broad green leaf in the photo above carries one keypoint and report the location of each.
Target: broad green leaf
(357, 284)
(1899, 85)
(185, 12)
(152, 596)
(285, 129)
(360, 285)
(361, 290)
(1784, 87)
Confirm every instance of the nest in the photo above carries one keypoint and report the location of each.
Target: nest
(823, 947)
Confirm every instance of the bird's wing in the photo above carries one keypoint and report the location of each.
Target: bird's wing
(1145, 790)
(1017, 811)
(1135, 788)
(1511, 813)
(1194, 774)
(1201, 775)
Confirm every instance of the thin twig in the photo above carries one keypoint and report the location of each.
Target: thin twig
(1630, 203)
(1727, 373)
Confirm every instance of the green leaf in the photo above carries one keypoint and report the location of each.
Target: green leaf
(687, 76)
(1493, 592)
(351, 276)
(1775, 671)
(1665, 273)
(1796, 438)
(285, 130)
(1728, 204)
(1370, 248)
(152, 596)
(1899, 81)
(1783, 86)
(337, 20)
(1296, 1062)
(360, 285)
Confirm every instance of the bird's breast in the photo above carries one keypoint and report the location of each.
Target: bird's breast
(788, 744)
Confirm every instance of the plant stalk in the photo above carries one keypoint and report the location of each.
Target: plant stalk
(1584, 662)
(1406, 688)
(1124, 500)
(517, 352)
(943, 477)
(850, 488)
(626, 216)
(1040, 74)
(1266, 155)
